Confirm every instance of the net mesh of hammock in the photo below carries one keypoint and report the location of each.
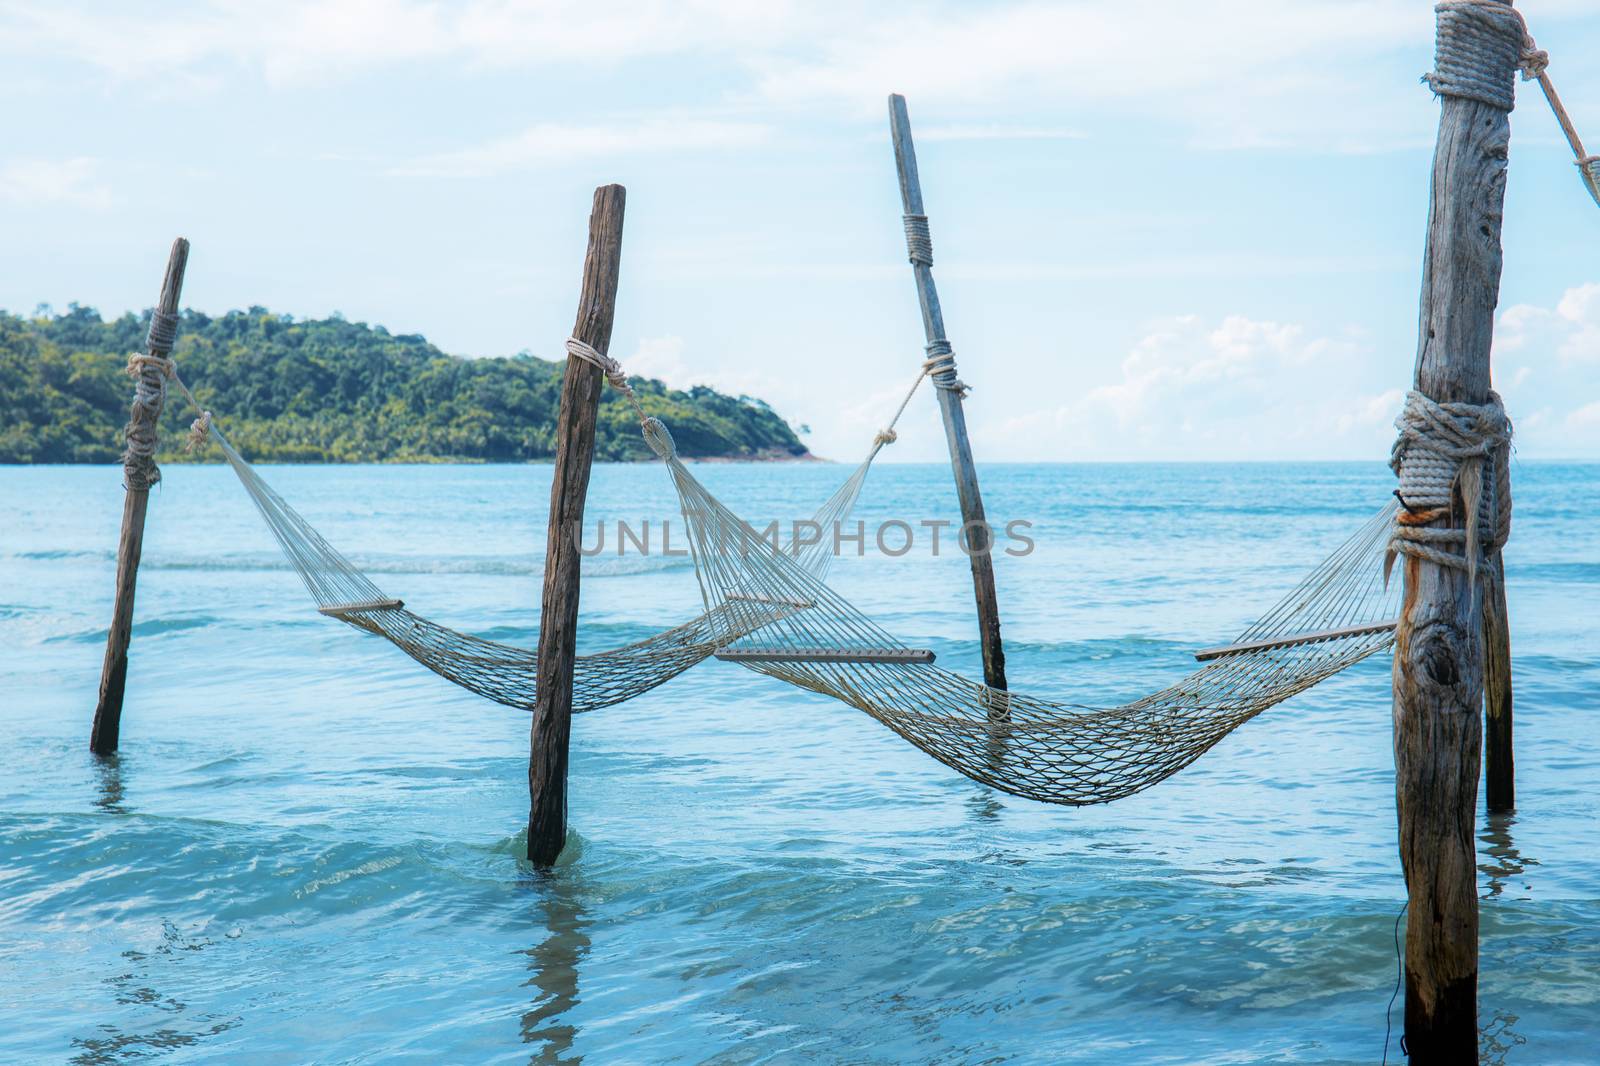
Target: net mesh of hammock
(502, 672)
(1039, 749)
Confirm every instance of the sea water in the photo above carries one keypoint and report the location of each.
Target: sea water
(307, 849)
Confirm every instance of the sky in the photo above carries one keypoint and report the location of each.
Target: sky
(1161, 231)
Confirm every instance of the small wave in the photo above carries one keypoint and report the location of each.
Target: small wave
(153, 627)
(66, 553)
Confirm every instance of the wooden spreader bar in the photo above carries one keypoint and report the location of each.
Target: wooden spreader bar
(824, 655)
(1293, 640)
(360, 606)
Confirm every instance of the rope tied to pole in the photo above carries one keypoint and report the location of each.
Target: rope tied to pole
(150, 372)
(941, 367)
(163, 332)
(1444, 449)
(1477, 46)
(612, 370)
(1479, 42)
(919, 241)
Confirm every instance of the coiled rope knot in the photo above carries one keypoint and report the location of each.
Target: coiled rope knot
(150, 372)
(608, 366)
(919, 242)
(887, 435)
(941, 367)
(199, 432)
(1444, 449)
(1477, 45)
(163, 332)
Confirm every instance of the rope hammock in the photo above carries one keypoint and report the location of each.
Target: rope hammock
(1056, 752)
(501, 672)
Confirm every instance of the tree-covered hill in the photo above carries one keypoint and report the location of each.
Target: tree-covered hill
(331, 391)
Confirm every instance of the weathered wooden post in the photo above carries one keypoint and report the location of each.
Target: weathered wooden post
(1438, 663)
(941, 364)
(139, 473)
(558, 612)
(1499, 763)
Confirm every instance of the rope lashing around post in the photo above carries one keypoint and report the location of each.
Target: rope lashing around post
(1443, 449)
(1478, 42)
(608, 366)
(163, 333)
(150, 372)
(919, 241)
(941, 367)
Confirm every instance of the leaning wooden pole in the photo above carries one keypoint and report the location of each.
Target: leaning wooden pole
(558, 612)
(139, 473)
(942, 369)
(1438, 662)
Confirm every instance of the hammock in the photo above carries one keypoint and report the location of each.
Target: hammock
(501, 672)
(1042, 750)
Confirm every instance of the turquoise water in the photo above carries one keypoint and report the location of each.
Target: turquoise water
(307, 848)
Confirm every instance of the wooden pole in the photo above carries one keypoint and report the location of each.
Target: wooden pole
(138, 474)
(1499, 771)
(558, 612)
(1438, 662)
(955, 419)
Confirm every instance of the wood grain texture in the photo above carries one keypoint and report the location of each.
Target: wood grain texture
(558, 612)
(1499, 769)
(106, 733)
(951, 413)
(1438, 662)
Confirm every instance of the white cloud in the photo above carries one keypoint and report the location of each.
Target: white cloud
(661, 358)
(1233, 73)
(1238, 388)
(295, 42)
(1570, 329)
(553, 144)
(72, 182)
(1552, 389)
(1586, 417)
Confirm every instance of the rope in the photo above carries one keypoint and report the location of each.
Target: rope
(150, 372)
(887, 434)
(1444, 449)
(200, 428)
(612, 370)
(163, 332)
(919, 241)
(941, 367)
(1588, 165)
(1477, 45)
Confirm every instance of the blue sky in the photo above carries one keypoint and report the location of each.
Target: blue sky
(1161, 230)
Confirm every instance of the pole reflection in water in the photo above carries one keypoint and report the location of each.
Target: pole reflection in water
(1499, 859)
(553, 964)
(108, 782)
